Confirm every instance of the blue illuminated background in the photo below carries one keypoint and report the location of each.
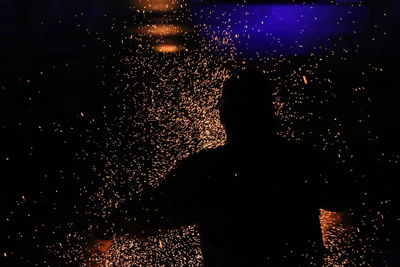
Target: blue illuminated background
(285, 29)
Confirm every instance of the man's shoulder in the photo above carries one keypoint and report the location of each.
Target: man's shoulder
(199, 163)
(204, 157)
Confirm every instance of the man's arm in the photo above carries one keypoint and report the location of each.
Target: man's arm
(175, 203)
(169, 206)
(338, 187)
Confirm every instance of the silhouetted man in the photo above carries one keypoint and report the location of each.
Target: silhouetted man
(256, 199)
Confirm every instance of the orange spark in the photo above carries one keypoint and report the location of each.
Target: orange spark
(305, 79)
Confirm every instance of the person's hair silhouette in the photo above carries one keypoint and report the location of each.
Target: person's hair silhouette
(256, 199)
(246, 107)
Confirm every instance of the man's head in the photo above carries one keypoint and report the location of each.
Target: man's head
(246, 107)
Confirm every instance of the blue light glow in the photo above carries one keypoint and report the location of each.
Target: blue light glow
(283, 29)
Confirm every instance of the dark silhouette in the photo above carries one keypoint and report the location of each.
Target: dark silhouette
(256, 199)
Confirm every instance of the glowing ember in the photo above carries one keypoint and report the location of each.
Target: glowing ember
(328, 220)
(305, 79)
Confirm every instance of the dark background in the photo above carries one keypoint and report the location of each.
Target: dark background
(54, 55)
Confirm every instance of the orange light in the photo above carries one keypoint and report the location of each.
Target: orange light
(305, 79)
(157, 5)
(167, 48)
(328, 220)
(162, 29)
